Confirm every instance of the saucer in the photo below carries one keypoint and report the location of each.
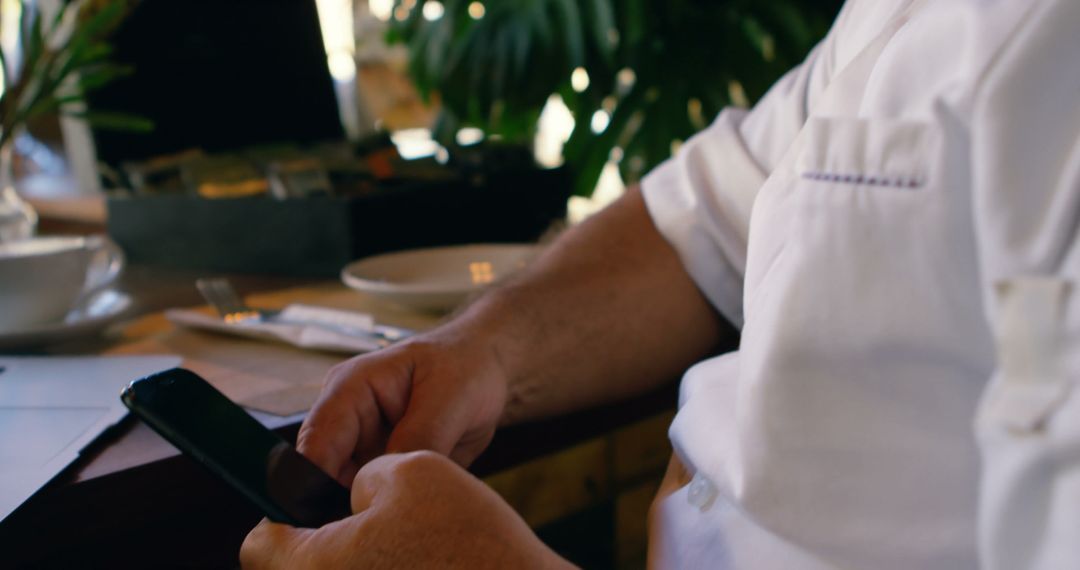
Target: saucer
(436, 279)
(89, 318)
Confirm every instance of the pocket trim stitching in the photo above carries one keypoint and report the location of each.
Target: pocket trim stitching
(869, 180)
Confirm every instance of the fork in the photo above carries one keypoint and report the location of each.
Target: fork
(220, 293)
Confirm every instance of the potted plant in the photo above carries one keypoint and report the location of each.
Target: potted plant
(61, 55)
(640, 76)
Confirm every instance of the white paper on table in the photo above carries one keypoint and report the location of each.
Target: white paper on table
(310, 336)
(53, 407)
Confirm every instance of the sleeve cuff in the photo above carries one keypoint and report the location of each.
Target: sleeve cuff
(700, 201)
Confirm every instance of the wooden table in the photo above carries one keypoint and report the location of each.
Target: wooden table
(133, 502)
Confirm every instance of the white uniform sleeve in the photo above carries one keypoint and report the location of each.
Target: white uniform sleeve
(1026, 180)
(700, 200)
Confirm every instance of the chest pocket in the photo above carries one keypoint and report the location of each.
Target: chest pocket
(857, 202)
(867, 187)
(888, 154)
(867, 221)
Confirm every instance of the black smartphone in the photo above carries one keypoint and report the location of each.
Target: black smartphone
(204, 424)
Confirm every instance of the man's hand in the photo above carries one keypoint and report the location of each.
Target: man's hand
(440, 392)
(607, 312)
(416, 510)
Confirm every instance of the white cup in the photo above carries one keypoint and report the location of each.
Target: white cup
(43, 278)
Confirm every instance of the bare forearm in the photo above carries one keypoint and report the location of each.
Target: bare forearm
(606, 313)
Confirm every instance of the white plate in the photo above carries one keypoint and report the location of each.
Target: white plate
(436, 279)
(89, 318)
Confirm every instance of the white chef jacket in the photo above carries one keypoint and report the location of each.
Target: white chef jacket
(894, 227)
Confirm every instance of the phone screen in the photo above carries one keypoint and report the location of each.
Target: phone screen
(203, 423)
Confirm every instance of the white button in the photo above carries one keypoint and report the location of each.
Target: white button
(701, 492)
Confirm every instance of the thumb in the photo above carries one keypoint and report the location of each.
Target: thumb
(270, 545)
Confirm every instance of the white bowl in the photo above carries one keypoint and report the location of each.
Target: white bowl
(436, 279)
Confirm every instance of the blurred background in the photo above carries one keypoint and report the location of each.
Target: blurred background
(608, 87)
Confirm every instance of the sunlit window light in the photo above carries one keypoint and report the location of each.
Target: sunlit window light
(768, 48)
(336, 22)
(381, 9)
(553, 130)
(613, 36)
(9, 33)
(442, 156)
(600, 121)
(477, 10)
(469, 136)
(433, 10)
(608, 189)
(339, 42)
(482, 272)
(414, 143)
(737, 94)
(695, 111)
(342, 66)
(579, 79)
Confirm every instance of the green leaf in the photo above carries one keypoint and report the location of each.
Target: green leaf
(634, 23)
(48, 104)
(573, 33)
(82, 56)
(522, 41)
(61, 12)
(114, 121)
(32, 37)
(602, 17)
(101, 75)
(501, 61)
(541, 22)
(95, 27)
(102, 21)
(5, 70)
(94, 52)
(26, 17)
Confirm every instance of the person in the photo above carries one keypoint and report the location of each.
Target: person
(892, 230)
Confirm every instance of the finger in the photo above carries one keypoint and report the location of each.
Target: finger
(328, 435)
(431, 422)
(369, 479)
(468, 449)
(343, 423)
(378, 478)
(271, 545)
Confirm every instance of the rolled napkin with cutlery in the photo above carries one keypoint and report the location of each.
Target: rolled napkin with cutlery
(303, 326)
